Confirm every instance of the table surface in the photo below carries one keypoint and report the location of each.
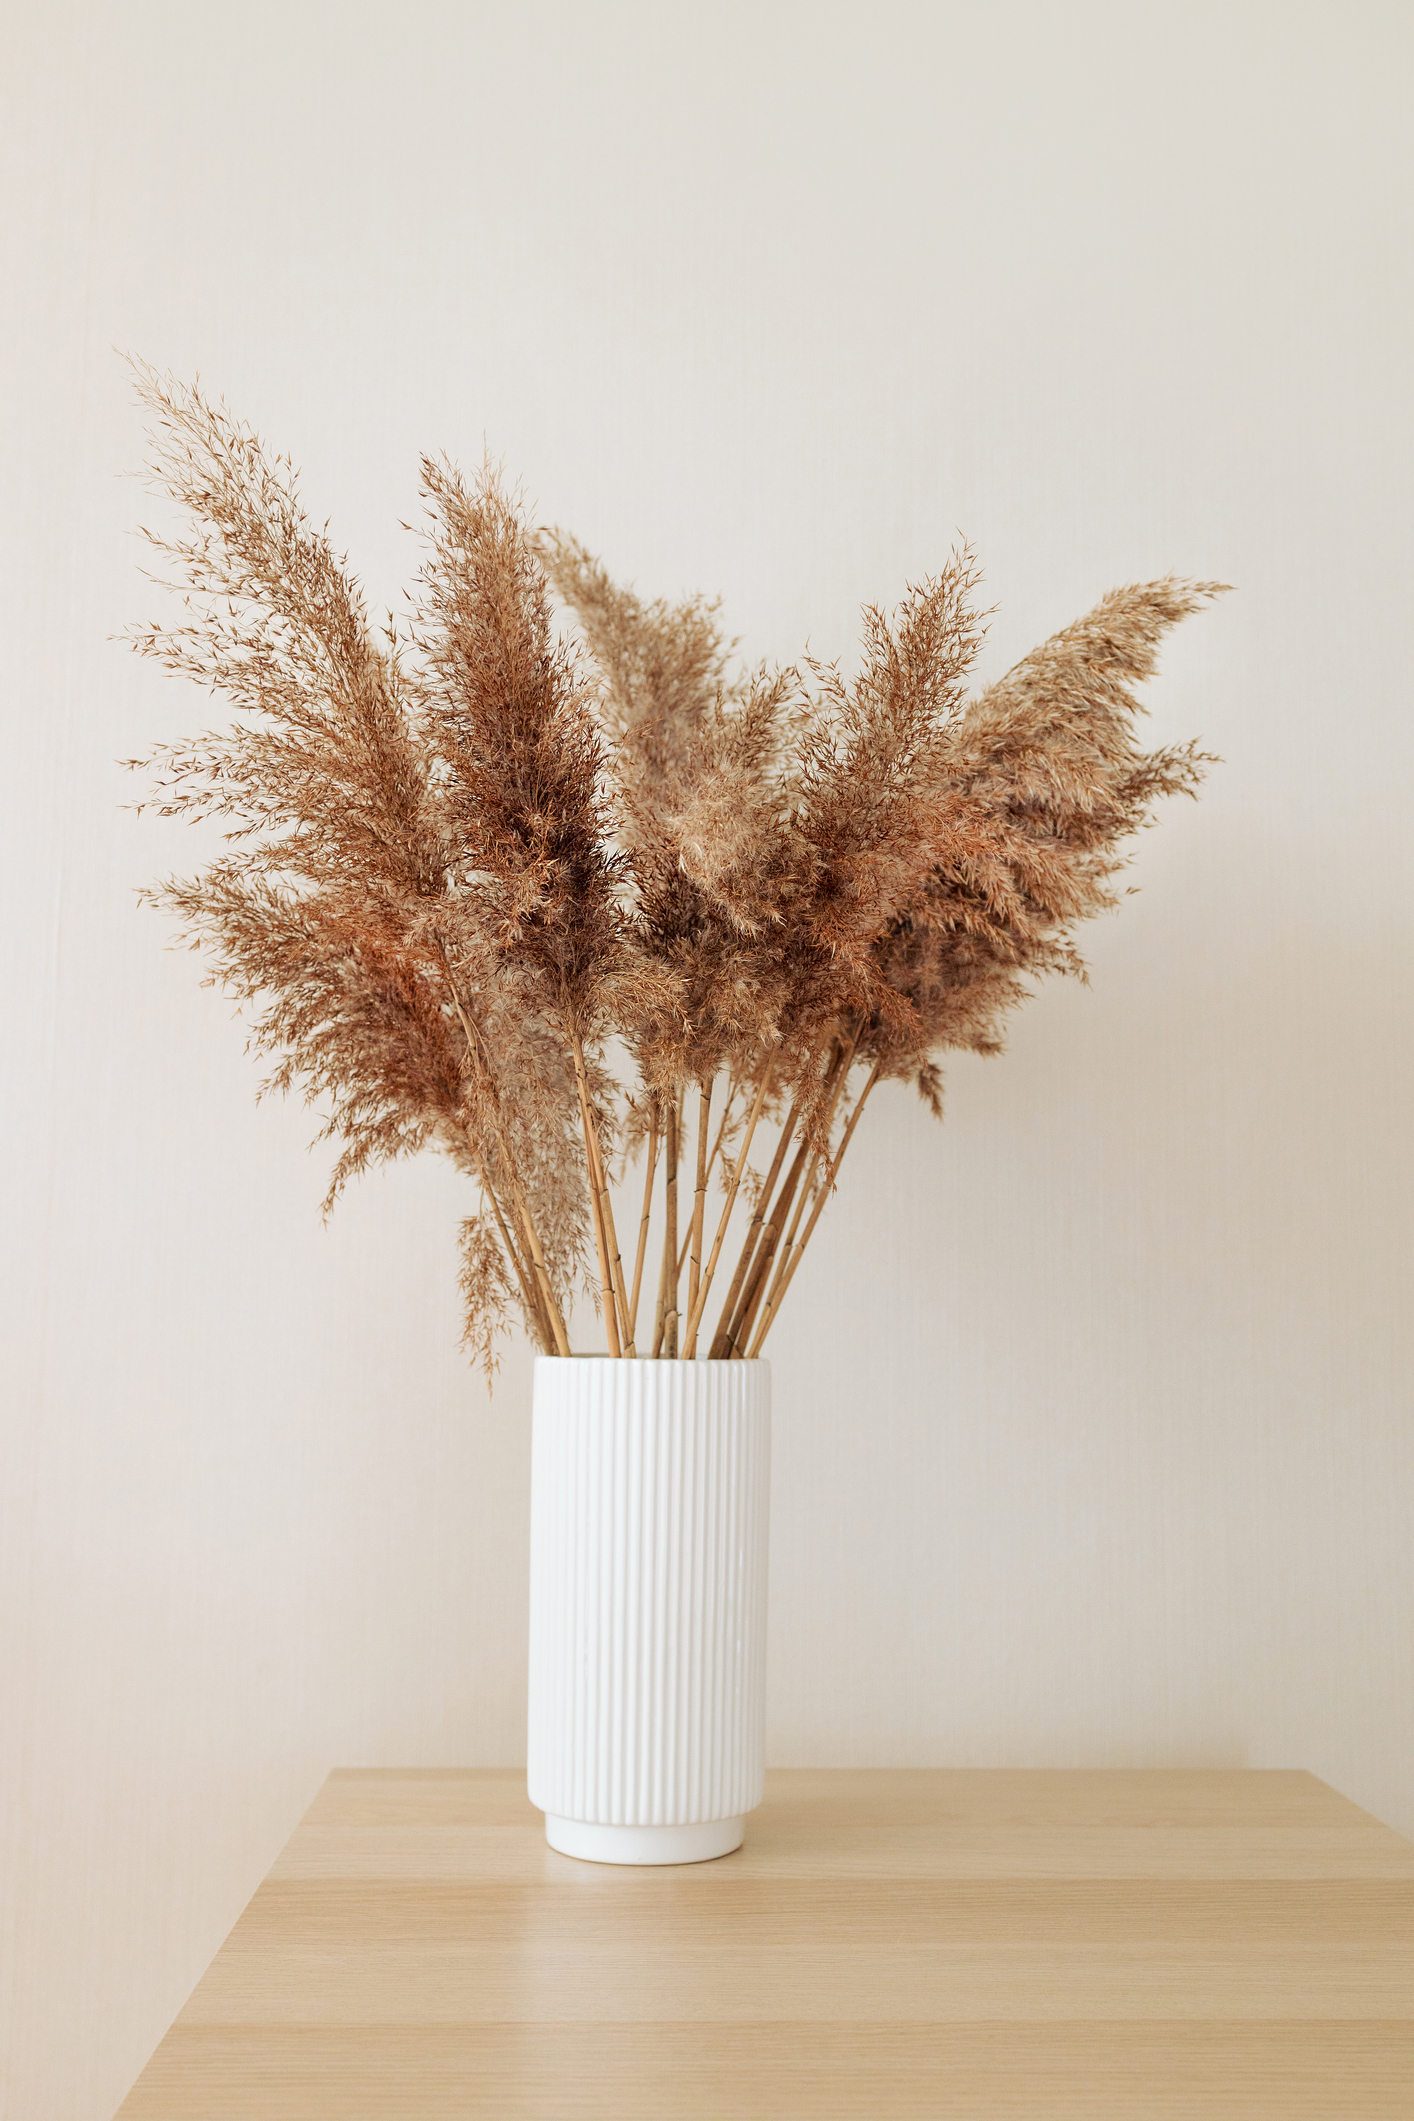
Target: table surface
(886, 1944)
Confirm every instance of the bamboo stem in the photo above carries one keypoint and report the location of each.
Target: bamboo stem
(666, 1336)
(477, 1050)
(732, 1087)
(732, 1330)
(721, 1339)
(821, 1149)
(522, 1208)
(616, 1264)
(660, 1312)
(608, 1298)
(534, 1310)
(514, 1252)
(613, 1285)
(755, 1288)
(786, 1250)
(699, 1199)
(661, 1308)
(701, 1304)
(645, 1218)
(711, 1164)
(826, 1189)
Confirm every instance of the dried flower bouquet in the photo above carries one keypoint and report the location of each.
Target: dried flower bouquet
(475, 871)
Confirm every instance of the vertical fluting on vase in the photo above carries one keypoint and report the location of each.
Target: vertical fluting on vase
(648, 1554)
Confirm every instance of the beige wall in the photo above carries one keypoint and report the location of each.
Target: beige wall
(1094, 1441)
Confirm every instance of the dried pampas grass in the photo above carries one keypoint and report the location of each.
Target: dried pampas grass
(467, 859)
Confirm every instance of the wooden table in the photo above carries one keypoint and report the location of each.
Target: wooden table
(887, 1944)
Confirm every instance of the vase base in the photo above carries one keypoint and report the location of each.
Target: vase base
(697, 1843)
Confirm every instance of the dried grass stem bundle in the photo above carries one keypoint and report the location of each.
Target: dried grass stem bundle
(468, 858)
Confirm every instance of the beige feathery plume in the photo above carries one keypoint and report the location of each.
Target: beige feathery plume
(474, 867)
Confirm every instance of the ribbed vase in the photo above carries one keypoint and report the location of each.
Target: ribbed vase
(648, 1528)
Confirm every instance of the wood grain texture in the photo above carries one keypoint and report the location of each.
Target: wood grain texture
(887, 1943)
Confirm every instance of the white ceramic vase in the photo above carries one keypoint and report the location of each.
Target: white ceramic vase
(648, 1527)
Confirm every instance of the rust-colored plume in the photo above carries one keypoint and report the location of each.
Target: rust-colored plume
(477, 868)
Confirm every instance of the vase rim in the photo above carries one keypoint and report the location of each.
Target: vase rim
(658, 1362)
